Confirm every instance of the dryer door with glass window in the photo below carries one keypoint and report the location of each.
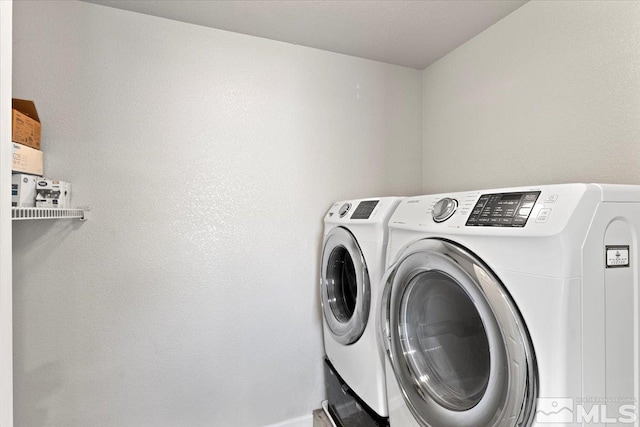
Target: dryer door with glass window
(456, 341)
(345, 292)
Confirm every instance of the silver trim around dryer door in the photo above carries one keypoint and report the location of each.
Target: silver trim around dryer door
(344, 330)
(512, 386)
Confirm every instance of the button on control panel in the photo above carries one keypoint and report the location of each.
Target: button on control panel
(543, 215)
(551, 198)
(503, 209)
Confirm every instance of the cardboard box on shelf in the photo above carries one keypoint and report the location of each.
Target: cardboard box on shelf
(25, 123)
(23, 190)
(27, 160)
(52, 193)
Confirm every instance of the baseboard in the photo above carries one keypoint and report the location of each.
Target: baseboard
(306, 421)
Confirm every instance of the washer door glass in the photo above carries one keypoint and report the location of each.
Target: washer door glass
(457, 344)
(342, 284)
(444, 340)
(345, 291)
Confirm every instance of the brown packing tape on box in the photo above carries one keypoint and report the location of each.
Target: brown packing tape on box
(26, 128)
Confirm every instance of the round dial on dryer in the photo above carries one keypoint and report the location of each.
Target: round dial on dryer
(443, 209)
(344, 209)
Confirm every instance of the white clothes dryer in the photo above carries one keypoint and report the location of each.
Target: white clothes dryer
(513, 307)
(352, 265)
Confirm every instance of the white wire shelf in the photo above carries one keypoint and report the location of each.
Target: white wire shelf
(48, 213)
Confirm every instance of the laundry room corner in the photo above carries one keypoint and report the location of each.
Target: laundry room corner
(208, 159)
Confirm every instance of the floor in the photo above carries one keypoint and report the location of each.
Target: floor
(320, 419)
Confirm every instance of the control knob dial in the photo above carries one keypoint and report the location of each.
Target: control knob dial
(443, 209)
(344, 209)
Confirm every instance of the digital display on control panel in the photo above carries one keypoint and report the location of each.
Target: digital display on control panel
(503, 210)
(364, 209)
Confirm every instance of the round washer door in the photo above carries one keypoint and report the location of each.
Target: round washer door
(456, 341)
(344, 282)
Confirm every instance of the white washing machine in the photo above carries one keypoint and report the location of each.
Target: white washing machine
(513, 307)
(353, 262)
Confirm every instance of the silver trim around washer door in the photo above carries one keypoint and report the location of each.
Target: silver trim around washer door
(345, 331)
(512, 385)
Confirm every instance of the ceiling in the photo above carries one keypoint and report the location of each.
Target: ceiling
(413, 34)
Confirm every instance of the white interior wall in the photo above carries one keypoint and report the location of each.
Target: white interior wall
(549, 94)
(209, 158)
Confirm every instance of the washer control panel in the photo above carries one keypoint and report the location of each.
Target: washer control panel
(503, 209)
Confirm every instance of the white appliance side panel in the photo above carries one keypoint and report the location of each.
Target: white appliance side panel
(610, 305)
(621, 303)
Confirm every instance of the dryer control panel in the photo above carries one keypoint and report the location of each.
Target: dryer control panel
(503, 209)
(364, 209)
